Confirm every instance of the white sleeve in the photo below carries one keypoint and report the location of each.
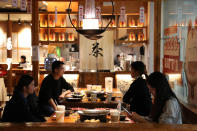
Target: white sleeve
(169, 112)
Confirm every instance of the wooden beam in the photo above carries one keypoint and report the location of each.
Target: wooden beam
(9, 55)
(157, 34)
(35, 39)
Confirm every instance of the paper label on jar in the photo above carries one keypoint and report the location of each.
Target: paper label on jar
(14, 3)
(55, 14)
(80, 12)
(122, 14)
(23, 5)
(142, 14)
(29, 6)
(98, 13)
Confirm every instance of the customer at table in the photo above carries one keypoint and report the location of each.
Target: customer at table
(138, 95)
(166, 108)
(18, 107)
(51, 90)
(23, 62)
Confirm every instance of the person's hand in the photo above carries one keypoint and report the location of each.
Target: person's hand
(65, 94)
(68, 92)
(62, 96)
(138, 118)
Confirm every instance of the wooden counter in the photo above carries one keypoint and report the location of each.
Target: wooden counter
(94, 127)
(90, 105)
(43, 71)
(93, 78)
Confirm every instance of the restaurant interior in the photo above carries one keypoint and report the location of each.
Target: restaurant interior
(100, 46)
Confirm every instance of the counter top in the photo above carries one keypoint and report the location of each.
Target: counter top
(94, 126)
(43, 71)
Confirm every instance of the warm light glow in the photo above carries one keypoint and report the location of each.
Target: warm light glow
(68, 76)
(124, 77)
(2, 36)
(71, 76)
(24, 38)
(174, 77)
(90, 24)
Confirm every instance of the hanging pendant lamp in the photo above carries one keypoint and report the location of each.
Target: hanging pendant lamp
(90, 27)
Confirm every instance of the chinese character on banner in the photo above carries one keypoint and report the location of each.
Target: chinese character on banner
(29, 6)
(23, 5)
(14, 3)
(141, 14)
(80, 12)
(122, 14)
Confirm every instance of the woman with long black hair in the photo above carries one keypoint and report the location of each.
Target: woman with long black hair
(166, 108)
(138, 95)
(18, 107)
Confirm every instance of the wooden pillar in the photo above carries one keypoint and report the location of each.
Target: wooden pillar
(9, 55)
(157, 34)
(35, 39)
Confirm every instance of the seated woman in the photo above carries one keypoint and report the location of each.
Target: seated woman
(138, 95)
(18, 108)
(166, 108)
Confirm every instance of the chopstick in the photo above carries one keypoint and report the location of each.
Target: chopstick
(126, 111)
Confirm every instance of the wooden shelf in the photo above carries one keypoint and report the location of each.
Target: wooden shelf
(76, 13)
(119, 14)
(56, 42)
(56, 27)
(144, 27)
(53, 13)
(135, 45)
(135, 42)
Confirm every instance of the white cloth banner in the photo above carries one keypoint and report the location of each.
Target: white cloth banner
(14, 3)
(23, 5)
(80, 12)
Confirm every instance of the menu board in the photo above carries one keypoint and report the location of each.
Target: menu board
(171, 60)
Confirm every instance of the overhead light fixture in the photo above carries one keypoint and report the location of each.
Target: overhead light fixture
(90, 28)
(44, 2)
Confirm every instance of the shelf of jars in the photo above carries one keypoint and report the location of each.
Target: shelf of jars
(62, 21)
(57, 29)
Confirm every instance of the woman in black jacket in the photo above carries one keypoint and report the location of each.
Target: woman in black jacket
(18, 109)
(138, 95)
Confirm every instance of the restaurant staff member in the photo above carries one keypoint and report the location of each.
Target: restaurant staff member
(51, 89)
(23, 62)
(18, 108)
(117, 60)
(138, 95)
